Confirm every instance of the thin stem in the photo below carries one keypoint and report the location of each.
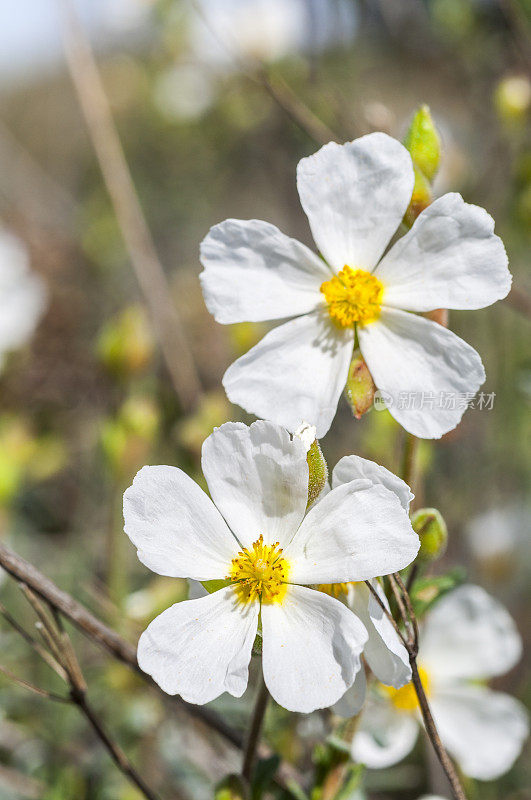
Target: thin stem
(116, 753)
(32, 688)
(410, 610)
(36, 646)
(296, 110)
(123, 651)
(433, 734)
(131, 220)
(385, 610)
(412, 575)
(255, 729)
(409, 461)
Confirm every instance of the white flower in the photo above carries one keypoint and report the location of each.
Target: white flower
(22, 295)
(355, 196)
(256, 536)
(384, 653)
(468, 637)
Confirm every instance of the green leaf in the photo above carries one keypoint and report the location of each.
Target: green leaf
(426, 592)
(263, 775)
(351, 782)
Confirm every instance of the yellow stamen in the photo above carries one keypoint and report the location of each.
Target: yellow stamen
(333, 589)
(259, 573)
(405, 699)
(353, 295)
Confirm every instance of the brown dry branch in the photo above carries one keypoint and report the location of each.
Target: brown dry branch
(131, 220)
(62, 650)
(115, 645)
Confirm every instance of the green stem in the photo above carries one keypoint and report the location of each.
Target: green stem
(409, 461)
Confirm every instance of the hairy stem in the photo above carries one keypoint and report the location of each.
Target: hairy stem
(255, 729)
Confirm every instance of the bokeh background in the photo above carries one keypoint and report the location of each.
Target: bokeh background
(89, 400)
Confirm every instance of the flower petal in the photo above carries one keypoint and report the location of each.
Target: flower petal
(451, 258)
(254, 272)
(311, 649)
(355, 196)
(176, 528)
(469, 635)
(384, 737)
(201, 648)
(352, 701)
(258, 478)
(296, 372)
(350, 468)
(354, 533)
(482, 729)
(426, 373)
(384, 652)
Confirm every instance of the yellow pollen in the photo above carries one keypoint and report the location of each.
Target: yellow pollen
(333, 589)
(259, 573)
(353, 295)
(405, 699)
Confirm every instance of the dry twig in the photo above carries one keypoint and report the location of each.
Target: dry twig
(131, 220)
(115, 645)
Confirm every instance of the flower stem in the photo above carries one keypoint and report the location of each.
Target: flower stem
(433, 733)
(255, 728)
(410, 461)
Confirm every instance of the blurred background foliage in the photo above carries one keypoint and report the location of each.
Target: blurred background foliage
(89, 400)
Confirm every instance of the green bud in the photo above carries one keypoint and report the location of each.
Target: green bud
(420, 199)
(423, 142)
(317, 466)
(233, 787)
(140, 416)
(431, 528)
(125, 344)
(512, 99)
(360, 387)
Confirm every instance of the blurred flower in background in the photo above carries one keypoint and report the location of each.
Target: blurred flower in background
(22, 295)
(467, 639)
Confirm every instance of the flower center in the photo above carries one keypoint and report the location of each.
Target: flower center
(405, 698)
(353, 295)
(259, 573)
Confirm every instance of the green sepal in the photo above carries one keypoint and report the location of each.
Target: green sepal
(318, 472)
(216, 585)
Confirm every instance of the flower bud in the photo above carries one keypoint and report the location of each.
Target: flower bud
(317, 466)
(513, 99)
(431, 528)
(232, 787)
(127, 438)
(423, 142)
(125, 344)
(360, 387)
